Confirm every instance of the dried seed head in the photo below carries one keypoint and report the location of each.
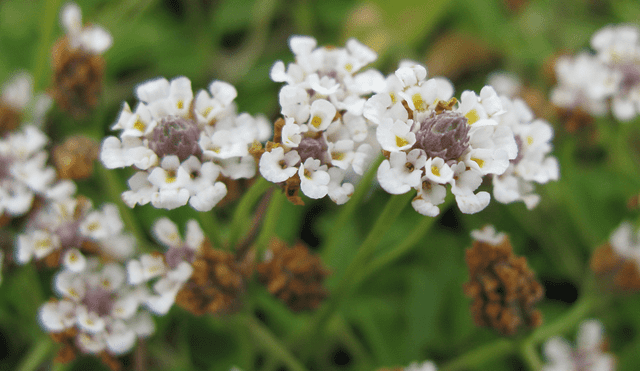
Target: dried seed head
(444, 135)
(503, 288)
(216, 284)
(294, 275)
(77, 78)
(74, 158)
(176, 136)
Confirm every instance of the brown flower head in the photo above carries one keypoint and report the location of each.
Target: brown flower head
(503, 288)
(614, 261)
(216, 284)
(293, 275)
(77, 63)
(74, 158)
(77, 78)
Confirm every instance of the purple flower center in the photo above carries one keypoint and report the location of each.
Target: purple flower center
(176, 255)
(313, 148)
(444, 135)
(98, 300)
(176, 136)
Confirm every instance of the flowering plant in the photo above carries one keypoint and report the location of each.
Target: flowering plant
(225, 185)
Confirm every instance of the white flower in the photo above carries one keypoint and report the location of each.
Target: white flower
(588, 354)
(276, 166)
(92, 39)
(489, 235)
(401, 171)
(314, 179)
(396, 135)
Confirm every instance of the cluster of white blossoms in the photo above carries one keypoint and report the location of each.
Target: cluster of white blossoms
(24, 173)
(613, 75)
(431, 140)
(103, 312)
(533, 163)
(625, 241)
(182, 146)
(170, 270)
(324, 136)
(63, 229)
(91, 39)
(424, 366)
(587, 356)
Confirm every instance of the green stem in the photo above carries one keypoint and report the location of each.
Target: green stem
(269, 342)
(481, 355)
(530, 355)
(401, 249)
(270, 222)
(211, 228)
(364, 186)
(41, 351)
(243, 209)
(389, 214)
(566, 322)
(48, 20)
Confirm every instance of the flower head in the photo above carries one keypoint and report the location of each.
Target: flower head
(322, 104)
(588, 354)
(183, 146)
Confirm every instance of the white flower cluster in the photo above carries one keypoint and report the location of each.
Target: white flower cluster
(181, 145)
(325, 135)
(613, 75)
(625, 241)
(588, 355)
(99, 304)
(432, 140)
(70, 226)
(24, 173)
(533, 164)
(424, 366)
(91, 39)
(171, 270)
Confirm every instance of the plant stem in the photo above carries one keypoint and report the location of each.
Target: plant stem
(401, 249)
(333, 240)
(389, 214)
(243, 209)
(566, 322)
(270, 343)
(270, 221)
(530, 355)
(211, 227)
(49, 16)
(40, 352)
(479, 356)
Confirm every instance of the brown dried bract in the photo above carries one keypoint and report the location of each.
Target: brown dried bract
(9, 118)
(75, 157)
(77, 78)
(294, 275)
(292, 189)
(503, 288)
(68, 350)
(277, 130)
(615, 270)
(216, 284)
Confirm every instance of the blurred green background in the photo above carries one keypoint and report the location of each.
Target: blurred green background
(414, 309)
